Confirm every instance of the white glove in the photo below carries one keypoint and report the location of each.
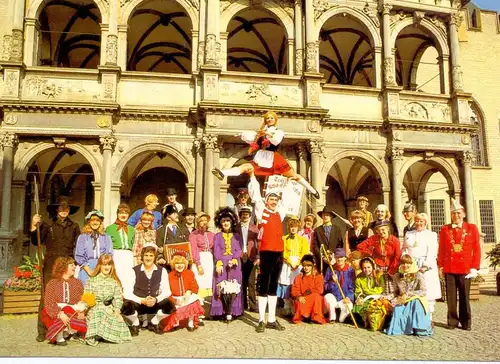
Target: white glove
(472, 274)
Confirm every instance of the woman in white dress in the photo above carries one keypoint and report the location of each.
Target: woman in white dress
(422, 245)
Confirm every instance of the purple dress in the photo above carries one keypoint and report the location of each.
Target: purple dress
(234, 272)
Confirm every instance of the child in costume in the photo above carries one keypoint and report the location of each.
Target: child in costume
(295, 247)
(267, 161)
(185, 295)
(308, 230)
(144, 234)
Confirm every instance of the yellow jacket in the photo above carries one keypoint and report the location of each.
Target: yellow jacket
(298, 246)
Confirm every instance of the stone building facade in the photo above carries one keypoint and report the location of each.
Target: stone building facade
(107, 101)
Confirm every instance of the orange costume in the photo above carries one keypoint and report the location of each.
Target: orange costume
(311, 288)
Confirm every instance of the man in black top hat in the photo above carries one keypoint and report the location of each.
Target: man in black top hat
(328, 235)
(409, 212)
(189, 216)
(170, 232)
(172, 200)
(59, 236)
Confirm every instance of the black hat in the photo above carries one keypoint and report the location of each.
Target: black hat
(409, 207)
(168, 210)
(62, 201)
(188, 211)
(224, 212)
(326, 209)
(308, 258)
(380, 223)
(171, 191)
(245, 209)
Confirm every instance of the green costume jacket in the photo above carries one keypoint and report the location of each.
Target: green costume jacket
(116, 237)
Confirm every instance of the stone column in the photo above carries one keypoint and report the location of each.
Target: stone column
(312, 59)
(396, 157)
(108, 143)
(389, 64)
(456, 70)
(122, 46)
(8, 142)
(115, 200)
(387, 196)
(198, 190)
(190, 191)
(316, 148)
(112, 36)
(299, 45)
(16, 50)
(18, 208)
(97, 195)
(466, 159)
(212, 46)
(202, 34)
(30, 52)
(210, 143)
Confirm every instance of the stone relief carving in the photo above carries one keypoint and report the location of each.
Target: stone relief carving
(467, 157)
(213, 121)
(7, 41)
(212, 50)
(16, 50)
(201, 54)
(311, 57)
(42, 87)
(431, 111)
(395, 153)
(393, 104)
(11, 83)
(465, 139)
(103, 122)
(314, 126)
(111, 49)
(389, 76)
(372, 14)
(313, 94)
(210, 141)
(456, 19)
(399, 16)
(211, 84)
(439, 23)
(108, 90)
(385, 9)
(299, 61)
(321, 6)
(456, 74)
(195, 4)
(256, 92)
(11, 119)
(418, 16)
(9, 140)
(316, 146)
(59, 142)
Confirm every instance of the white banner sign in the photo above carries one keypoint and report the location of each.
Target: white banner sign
(291, 192)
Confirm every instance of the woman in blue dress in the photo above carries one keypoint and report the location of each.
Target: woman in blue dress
(91, 244)
(410, 315)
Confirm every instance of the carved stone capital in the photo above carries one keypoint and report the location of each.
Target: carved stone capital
(108, 142)
(467, 156)
(395, 153)
(111, 49)
(456, 20)
(385, 9)
(315, 146)
(210, 141)
(9, 140)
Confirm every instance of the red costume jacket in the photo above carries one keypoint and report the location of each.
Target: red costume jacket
(384, 258)
(272, 235)
(182, 282)
(60, 291)
(455, 262)
(302, 283)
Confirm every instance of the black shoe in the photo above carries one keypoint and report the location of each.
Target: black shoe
(134, 330)
(261, 327)
(316, 195)
(201, 323)
(275, 326)
(157, 329)
(40, 338)
(190, 329)
(451, 327)
(218, 173)
(61, 343)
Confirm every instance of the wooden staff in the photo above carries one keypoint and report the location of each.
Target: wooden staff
(334, 276)
(39, 242)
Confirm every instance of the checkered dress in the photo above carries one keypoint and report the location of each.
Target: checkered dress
(101, 319)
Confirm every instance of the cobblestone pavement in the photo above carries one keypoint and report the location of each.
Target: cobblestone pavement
(304, 341)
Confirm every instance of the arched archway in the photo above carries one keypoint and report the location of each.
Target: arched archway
(160, 39)
(70, 34)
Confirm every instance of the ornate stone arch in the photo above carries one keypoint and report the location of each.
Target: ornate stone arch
(270, 6)
(154, 147)
(22, 164)
(438, 35)
(129, 8)
(35, 8)
(448, 170)
(378, 167)
(373, 31)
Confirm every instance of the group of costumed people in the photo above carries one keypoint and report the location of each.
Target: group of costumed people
(106, 284)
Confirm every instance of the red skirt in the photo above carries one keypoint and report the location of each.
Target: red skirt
(182, 316)
(54, 326)
(313, 308)
(280, 166)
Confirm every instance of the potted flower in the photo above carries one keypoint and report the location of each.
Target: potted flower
(474, 287)
(494, 256)
(22, 291)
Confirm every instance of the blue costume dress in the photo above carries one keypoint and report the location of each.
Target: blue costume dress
(89, 247)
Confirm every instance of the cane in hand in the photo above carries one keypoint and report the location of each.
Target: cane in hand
(334, 276)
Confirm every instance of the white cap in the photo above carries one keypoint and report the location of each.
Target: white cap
(455, 205)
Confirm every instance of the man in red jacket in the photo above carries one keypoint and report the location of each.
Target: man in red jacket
(270, 213)
(459, 258)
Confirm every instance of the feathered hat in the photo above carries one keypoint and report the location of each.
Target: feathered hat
(222, 213)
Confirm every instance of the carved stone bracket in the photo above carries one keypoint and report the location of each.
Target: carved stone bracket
(210, 141)
(108, 142)
(418, 16)
(372, 14)
(311, 57)
(111, 49)
(399, 16)
(321, 6)
(9, 140)
(395, 153)
(195, 4)
(59, 142)
(439, 23)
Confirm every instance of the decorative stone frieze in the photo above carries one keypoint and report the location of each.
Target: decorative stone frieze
(11, 82)
(431, 111)
(6, 45)
(43, 88)
(201, 54)
(255, 92)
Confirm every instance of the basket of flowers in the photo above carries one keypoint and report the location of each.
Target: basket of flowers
(22, 291)
(376, 313)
